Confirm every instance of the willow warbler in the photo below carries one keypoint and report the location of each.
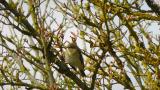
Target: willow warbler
(73, 57)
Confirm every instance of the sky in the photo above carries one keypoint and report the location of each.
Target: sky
(154, 29)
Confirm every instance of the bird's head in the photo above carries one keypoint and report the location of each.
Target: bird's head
(72, 45)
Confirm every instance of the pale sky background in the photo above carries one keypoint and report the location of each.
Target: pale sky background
(154, 29)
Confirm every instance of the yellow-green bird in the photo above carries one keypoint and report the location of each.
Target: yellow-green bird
(73, 57)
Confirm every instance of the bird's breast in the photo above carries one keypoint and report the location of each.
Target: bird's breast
(72, 57)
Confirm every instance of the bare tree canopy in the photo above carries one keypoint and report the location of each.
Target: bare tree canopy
(119, 40)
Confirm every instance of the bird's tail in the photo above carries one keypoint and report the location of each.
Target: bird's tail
(82, 73)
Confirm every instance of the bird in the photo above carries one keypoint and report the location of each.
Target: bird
(74, 58)
(154, 5)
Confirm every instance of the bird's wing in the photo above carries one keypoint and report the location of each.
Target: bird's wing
(81, 57)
